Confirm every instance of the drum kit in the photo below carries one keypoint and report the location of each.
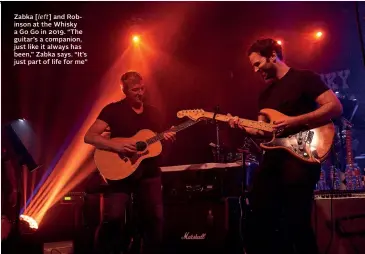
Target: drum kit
(336, 173)
(249, 152)
(341, 172)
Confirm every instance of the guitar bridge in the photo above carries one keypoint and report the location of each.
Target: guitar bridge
(294, 148)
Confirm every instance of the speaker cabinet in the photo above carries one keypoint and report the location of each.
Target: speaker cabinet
(339, 223)
(201, 226)
(195, 225)
(58, 247)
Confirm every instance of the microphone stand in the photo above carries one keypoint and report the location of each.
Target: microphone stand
(243, 199)
(218, 148)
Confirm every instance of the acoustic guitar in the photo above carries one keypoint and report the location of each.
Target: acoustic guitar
(311, 144)
(116, 166)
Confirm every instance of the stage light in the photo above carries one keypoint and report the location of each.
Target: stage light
(30, 221)
(319, 34)
(136, 39)
(279, 42)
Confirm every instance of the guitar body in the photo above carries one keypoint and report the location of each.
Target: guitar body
(311, 144)
(114, 166)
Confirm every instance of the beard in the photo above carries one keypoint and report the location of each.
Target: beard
(268, 74)
(139, 99)
(135, 101)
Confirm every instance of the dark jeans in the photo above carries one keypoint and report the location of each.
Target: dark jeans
(111, 236)
(281, 202)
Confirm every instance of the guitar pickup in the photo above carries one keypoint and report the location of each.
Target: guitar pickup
(310, 137)
(300, 137)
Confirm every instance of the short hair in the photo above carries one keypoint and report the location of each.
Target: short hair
(265, 47)
(130, 78)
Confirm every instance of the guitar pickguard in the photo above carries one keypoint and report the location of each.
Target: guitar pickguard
(300, 144)
(133, 159)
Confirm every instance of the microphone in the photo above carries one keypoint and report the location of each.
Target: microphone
(216, 111)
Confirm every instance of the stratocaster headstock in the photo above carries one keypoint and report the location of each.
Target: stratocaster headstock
(193, 114)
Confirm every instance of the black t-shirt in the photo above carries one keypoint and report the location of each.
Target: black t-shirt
(125, 122)
(293, 95)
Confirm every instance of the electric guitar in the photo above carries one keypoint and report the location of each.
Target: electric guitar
(310, 144)
(116, 166)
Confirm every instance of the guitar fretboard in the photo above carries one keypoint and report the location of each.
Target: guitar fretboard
(160, 136)
(245, 122)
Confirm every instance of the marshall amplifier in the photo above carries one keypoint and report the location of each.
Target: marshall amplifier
(339, 222)
(58, 247)
(202, 226)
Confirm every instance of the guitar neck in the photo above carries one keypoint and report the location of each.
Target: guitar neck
(349, 155)
(180, 127)
(245, 122)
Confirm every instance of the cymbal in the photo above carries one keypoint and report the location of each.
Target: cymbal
(361, 157)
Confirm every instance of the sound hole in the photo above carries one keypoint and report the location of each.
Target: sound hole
(141, 146)
(124, 157)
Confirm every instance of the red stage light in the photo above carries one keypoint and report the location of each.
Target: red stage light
(136, 39)
(319, 34)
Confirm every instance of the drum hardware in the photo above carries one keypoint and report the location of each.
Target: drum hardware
(335, 173)
(199, 188)
(217, 146)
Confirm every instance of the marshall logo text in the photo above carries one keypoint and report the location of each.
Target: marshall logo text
(188, 236)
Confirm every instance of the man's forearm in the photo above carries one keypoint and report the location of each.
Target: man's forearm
(255, 133)
(324, 113)
(100, 142)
